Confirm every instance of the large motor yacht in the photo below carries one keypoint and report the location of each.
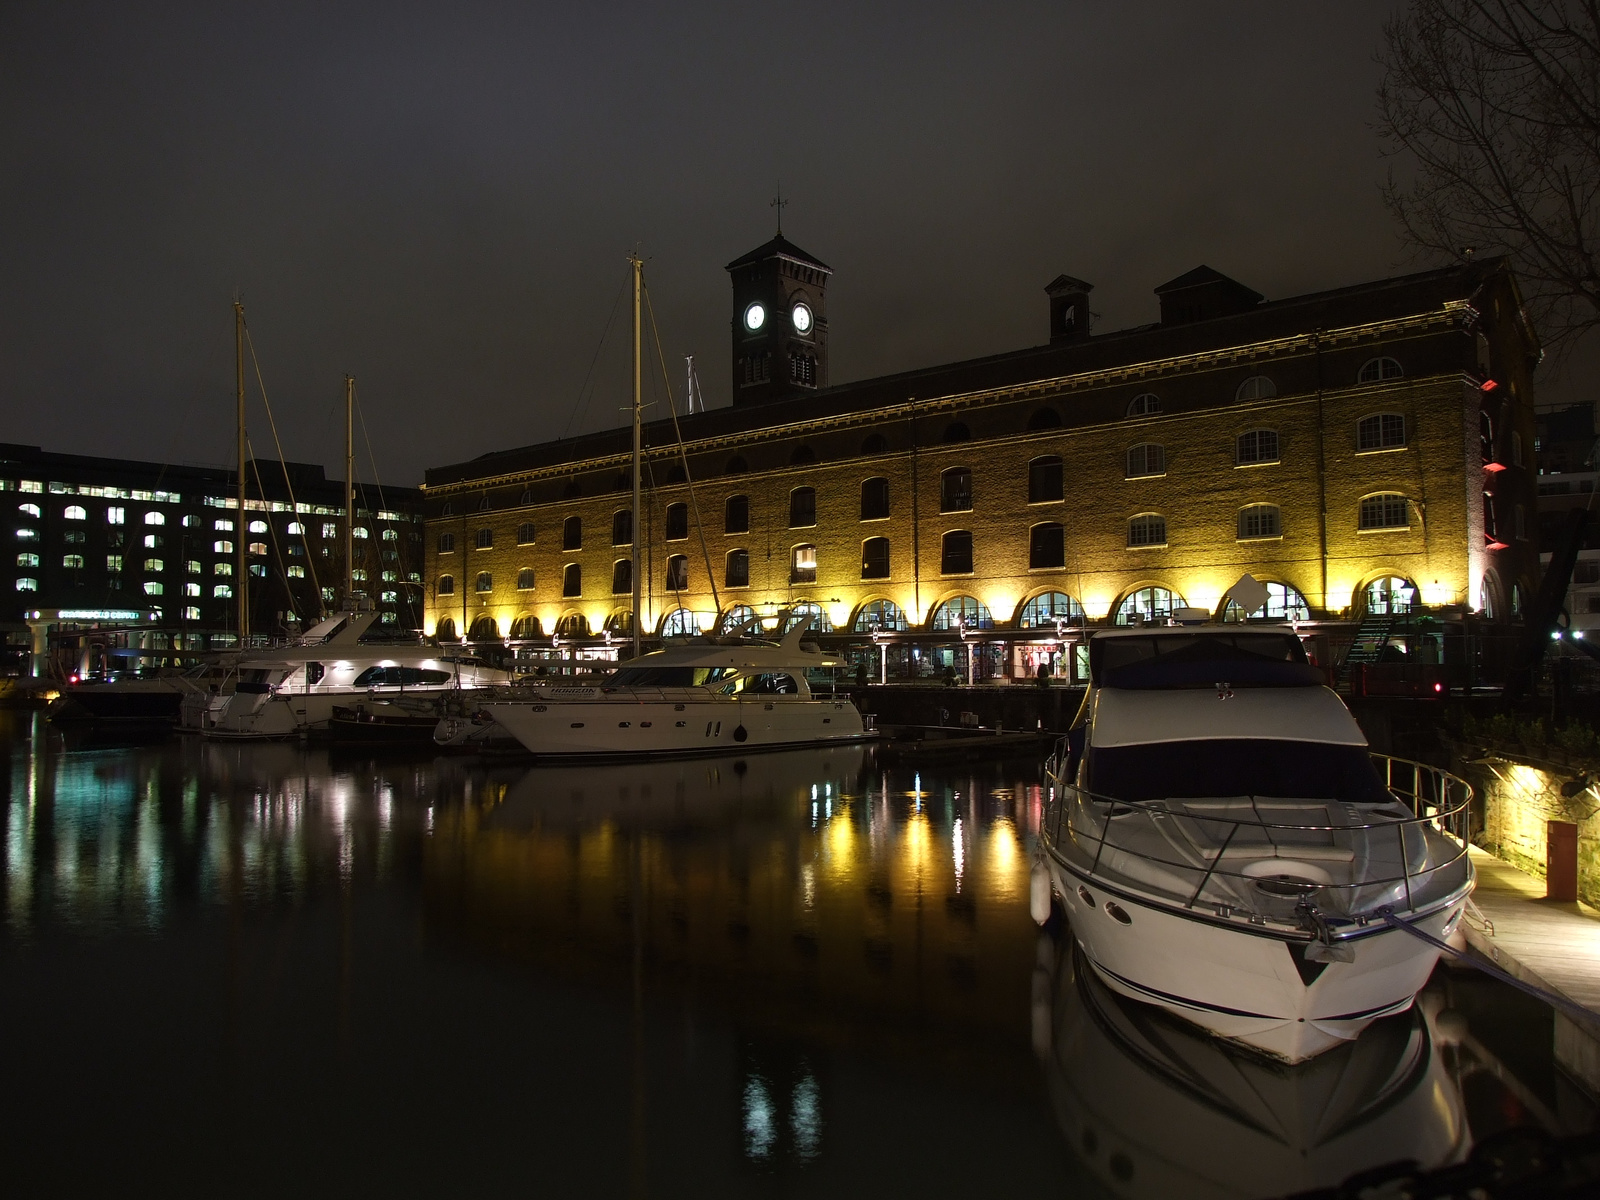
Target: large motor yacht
(1226, 846)
(707, 695)
(291, 691)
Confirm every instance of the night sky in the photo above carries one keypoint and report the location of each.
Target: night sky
(440, 199)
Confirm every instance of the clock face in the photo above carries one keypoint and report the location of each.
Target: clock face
(800, 314)
(755, 317)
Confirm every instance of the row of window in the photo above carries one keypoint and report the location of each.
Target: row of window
(118, 516)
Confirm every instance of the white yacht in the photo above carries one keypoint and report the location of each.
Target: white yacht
(706, 695)
(1226, 846)
(291, 691)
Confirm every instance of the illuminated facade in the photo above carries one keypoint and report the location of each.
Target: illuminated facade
(1359, 450)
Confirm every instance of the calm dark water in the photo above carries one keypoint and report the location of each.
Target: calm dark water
(263, 970)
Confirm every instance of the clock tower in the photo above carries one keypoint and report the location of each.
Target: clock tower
(780, 322)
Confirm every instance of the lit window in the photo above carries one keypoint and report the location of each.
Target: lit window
(1144, 405)
(193, 567)
(72, 562)
(803, 564)
(1284, 603)
(875, 558)
(390, 598)
(152, 541)
(75, 512)
(1381, 431)
(222, 568)
(258, 548)
(223, 591)
(191, 614)
(115, 516)
(1257, 387)
(113, 562)
(27, 535)
(259, 570)
(27, 560)
(955, 490)
(1148, 459)
(330, 529)
(1257, 446)
(391, 576)
(1147, 529)
(391, 535)
(955, 553)
(25, 584)
(1386, 510)
(1259, 521)
(358, 575)
(191, 589)
(1047, 546)
(524, 534)
(258, 526)
(154, 564)
(485, 582)
(295, 572)
(1045, 484)
(31, 485)
(295, 528)
(155, 518)
(359, 531)
(1375, 370)
(962, 612)
(222, 547)
(31, 510)
(1045, 610)
(1151, 605)
(191, 522)
(222, 526)
(152, 588)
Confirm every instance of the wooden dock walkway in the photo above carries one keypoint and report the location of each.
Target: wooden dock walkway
(1547, 943)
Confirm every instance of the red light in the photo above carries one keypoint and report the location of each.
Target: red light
(1437, 688)
(73, 678)
(1494, 545)
(1488, 385)
(1493, 467)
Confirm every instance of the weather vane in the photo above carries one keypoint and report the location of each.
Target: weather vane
(778, 202)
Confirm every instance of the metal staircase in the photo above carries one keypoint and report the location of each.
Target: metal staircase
(1373, 635)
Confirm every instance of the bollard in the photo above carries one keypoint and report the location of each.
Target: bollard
(1561, 861)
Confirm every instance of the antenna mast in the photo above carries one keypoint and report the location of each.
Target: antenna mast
(350, 493)
(638, 616)
(243, 584)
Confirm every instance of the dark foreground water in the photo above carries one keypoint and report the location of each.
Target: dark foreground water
(262, 970)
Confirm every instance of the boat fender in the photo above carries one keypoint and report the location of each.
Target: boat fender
(1039, 893)
(740, 733)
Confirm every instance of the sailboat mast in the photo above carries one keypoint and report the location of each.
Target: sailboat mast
(638, 523)
(350, 492)
(242, 587)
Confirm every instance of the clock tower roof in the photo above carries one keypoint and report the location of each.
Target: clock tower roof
(779, 247)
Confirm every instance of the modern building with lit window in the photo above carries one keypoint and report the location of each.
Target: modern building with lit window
(1365, 452)
(144, 555)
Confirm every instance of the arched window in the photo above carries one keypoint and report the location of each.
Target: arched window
(677, 522)
(571, 580)
(803, 564)
(74, 562)
(223, 591)
(1144, 404)
(572, 533)
(802, 508)
(1045, 483)
(485, 581)
(620, 622)
(622, 577)
(525, 534)
(1259, 521)
(875, 558)
(1256, 446)
(446, 511)
(737, 617)
(736, 466)
(680, 622)
(737, 571)
(808, 608)
(1257, 387)
(33, 510)
(1044, 418)
(1385, 510)
(295, 528)
(1147, 529)
(445, 630)
(483, 505)
(1047, 546)
(1145, 460)
(526, 497)
(622, 527)
(484, 539)
(801, 455)
(1375, 370)
(1489, 598)
(447, 542)
(1284, 603)
(1044, 610)
(962, 612)
(75, 512)
(736, 515)
(524, 628)
(874, 443)
(884, 615)
(678, 573)
(258, 548)
(955, 490)
(1381, 431)
(1149, 606)
(484, 629)
(622, 482)
(155, 518)
(956, 431)
(1389, 595)
(573, 625)
(955, 553)
(874, 499)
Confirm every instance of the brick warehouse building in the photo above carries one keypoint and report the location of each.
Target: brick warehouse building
(143, 555)
(1367, 449)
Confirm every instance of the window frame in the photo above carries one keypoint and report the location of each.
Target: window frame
(727, 506)
(1060, 546)
(799, 499)
(1128, 471)
(945, 544)
(797, 571)
(572, 533)
(1145, 404)
(951, 501)
(880, 497)
(1383, 445)
(1147, 517)
(870, 567)
(1259, 459)
(1383, 373)
(1261, 507)
(1387, 497)
(1038, 467)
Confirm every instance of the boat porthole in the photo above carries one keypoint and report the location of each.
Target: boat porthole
(1117, 913)
(539, 708)
(645, 724)
(623, 724)
(1083, 894)
(740, 733)
(680, 724)
(577, 724)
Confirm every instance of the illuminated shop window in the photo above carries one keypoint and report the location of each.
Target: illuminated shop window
(1284, 603)
(1390, 595)
(962, 612)
(883, 615)
(680, 622)
(1045, 610)
(1151, 605)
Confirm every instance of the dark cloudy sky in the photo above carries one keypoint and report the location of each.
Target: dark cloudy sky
(439, 199)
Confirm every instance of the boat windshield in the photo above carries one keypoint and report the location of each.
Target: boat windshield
(666, 676)
(1235, 767)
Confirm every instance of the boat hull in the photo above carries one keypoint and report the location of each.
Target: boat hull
(248, 716)
(627, 727)
(1244, 983)
(147, 703)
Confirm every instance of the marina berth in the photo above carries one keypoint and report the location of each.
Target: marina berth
(1226, 846)
(705, 695)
